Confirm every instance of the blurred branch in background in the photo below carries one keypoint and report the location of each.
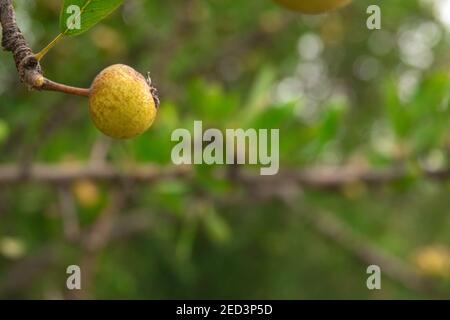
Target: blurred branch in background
(69, 215)
(316, 177)
(367, 253)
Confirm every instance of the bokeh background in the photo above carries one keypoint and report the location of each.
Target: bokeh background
(364, 126)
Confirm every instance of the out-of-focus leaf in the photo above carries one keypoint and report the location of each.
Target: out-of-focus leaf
(186, 240)
(216, 227)
(275, 117)
(327, 129)
(330, 122)
(4, 130)
(260, 92)
(397, 116)
(210, 103)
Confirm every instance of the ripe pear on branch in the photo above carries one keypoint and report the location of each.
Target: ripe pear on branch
(122, 103)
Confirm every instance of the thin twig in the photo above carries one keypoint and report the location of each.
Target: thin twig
(97, 239)
(69, 213)
(99, 152)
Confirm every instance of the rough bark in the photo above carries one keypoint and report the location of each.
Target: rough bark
(30, 71)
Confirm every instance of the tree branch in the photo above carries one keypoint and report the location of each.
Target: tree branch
(57, 174)
(28, 66)
(327, 178)
(29, 69)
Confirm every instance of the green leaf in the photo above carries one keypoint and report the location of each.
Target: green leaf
(78, 16)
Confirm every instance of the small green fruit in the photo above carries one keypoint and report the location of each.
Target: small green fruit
(122, 103)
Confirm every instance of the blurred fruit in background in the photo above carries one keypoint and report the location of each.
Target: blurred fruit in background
(433, 260)
(86, 193)
(12, 248)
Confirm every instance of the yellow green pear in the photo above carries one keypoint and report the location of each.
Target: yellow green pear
(312, 6)
(122, 103)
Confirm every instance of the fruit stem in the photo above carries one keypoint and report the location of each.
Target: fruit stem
(49, 85)
(44, 51)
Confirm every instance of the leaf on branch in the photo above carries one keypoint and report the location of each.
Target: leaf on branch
(78, 16)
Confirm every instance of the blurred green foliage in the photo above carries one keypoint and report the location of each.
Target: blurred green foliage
(341, 95)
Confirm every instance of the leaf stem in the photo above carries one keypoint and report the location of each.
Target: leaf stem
(44, 51)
